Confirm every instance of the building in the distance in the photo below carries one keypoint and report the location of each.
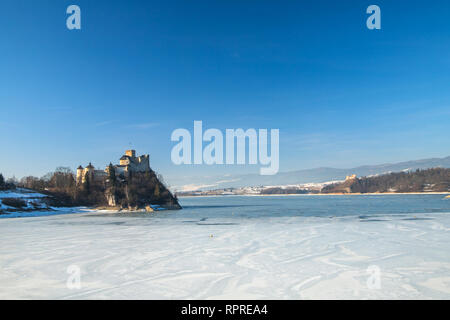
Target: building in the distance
(128, 163)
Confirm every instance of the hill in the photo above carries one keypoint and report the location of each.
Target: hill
(132, 192)
(316, 175)
(130, 185)
(430, 180)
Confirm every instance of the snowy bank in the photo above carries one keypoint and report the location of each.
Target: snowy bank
(28, 203)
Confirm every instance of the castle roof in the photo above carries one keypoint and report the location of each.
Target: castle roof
(125, 157)
(80, 167)
(90, 165)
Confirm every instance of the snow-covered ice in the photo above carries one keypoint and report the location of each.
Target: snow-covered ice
(236, 248)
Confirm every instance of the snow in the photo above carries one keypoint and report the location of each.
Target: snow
(176, 255)
(51, 211)
(34, 201)
(20, 193)
(3, 207)
(34, 205)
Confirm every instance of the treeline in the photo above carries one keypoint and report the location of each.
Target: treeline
(59, 184)
(7, 184)
(430, 180)
(135, 190)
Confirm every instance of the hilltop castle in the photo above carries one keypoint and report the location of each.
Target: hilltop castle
(128, 163)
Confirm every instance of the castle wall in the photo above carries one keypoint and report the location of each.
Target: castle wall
(132, 164)
(119, 170)
(131, 153)
(142, 163)
(99, 175)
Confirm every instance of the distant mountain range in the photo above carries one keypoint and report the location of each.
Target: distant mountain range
(316, 175)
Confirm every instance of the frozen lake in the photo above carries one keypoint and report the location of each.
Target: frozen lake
(281, 247)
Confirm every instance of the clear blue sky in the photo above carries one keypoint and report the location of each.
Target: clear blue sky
(340, 94)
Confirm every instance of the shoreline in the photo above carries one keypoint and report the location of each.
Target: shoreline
(317, 194)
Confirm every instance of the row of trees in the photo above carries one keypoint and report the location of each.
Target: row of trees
(62, 179)
(60, 184)
(7, 184)
(436, 179)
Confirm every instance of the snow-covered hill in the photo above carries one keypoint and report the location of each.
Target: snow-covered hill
(27, 203)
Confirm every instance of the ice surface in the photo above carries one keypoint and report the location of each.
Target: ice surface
(227, 249)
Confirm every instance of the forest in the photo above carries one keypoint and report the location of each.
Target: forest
(429, 180)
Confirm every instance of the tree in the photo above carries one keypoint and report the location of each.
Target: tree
(111, 174)
(33, 183)
(8, 184)
(62, 179)
(12, 181)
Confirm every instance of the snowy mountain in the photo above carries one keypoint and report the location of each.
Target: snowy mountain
(316, 175)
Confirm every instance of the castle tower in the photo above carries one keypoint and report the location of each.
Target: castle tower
(79, 174)
(88, 173)
(124, 160)
(131, 153)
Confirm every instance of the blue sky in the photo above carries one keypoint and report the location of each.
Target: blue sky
(341, 95)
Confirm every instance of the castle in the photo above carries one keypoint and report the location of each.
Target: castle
(128, 163)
